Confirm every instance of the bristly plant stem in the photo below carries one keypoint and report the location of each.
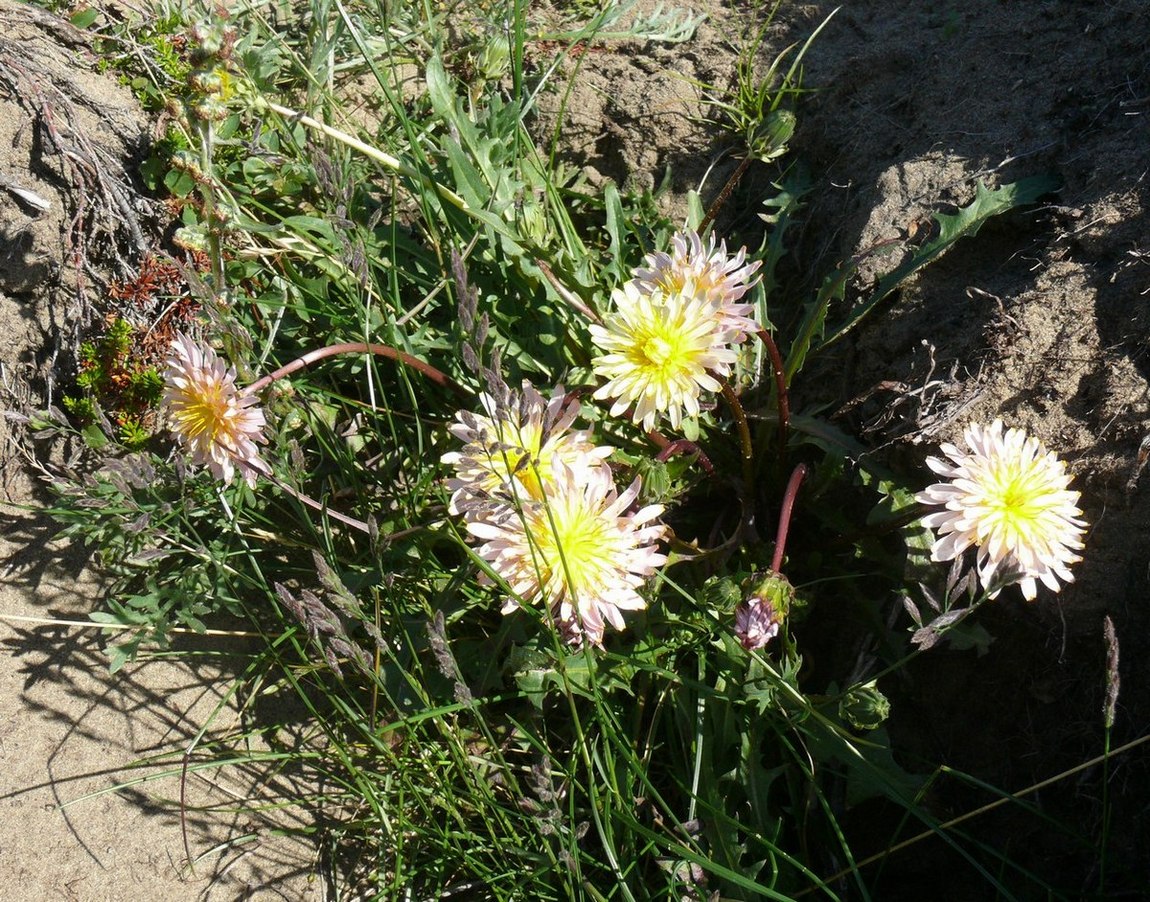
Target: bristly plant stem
(362, 347)
(785, 512)
(725, 194)
(207, 196)
(744, 434)
(1109, 708)
(784, 406)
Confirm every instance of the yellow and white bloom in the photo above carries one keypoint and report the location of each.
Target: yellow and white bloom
(579, 550)
(1008, 496)
(510, 452)
(662, 350)
(704, 271)
(216, 422)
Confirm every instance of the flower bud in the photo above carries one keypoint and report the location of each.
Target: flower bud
(210, 110)
(864, 707)
(769, 597)
(191, 238)
(186, 161)
(209, 82)
(756, 623)
(771, 586)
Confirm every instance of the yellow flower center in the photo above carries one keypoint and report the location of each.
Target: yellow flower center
(693, 280)
(662, 352)
(658, 351)
(672, 282)
(572, 544)
(1015, 499)
(205, 411)
(522, 460)
(530, 473)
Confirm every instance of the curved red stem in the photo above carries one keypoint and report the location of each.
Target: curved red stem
(686, 446)
(785, 512)
(361, 347)
(780, 386)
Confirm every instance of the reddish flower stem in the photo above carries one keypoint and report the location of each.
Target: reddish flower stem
(780, 387)
(744, 433)
(361, 347)
(686, 446)
(785, 512)
(354, 347)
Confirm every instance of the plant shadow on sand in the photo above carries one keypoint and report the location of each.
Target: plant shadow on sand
(1040, 319)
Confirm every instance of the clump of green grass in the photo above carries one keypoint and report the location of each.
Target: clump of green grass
(439, 256)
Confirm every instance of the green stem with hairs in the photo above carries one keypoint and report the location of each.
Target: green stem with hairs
(211, 218)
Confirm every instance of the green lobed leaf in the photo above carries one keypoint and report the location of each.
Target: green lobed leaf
(965, 223)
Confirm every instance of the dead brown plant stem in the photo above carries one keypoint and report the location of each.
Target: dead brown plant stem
(362, 347)
(725, 194)
(784, 405)
(785, 512)
(308, 501)
(566, 294)
(184, 811)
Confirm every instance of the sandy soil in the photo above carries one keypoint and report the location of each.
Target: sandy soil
(1041, 319)
(69, 731)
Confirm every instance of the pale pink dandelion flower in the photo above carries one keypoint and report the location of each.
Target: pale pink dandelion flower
(510, 450)
(708, 272)
(662, 351)
(218, 424)
(756, 623)
(579, 551)
(1009, 497)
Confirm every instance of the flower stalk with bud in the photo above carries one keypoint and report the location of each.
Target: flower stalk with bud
(759, 617)
(213, 45)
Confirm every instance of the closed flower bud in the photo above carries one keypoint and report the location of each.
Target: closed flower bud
(771, 586)
(207, 82)
(191, 238)
(864, 707)
(210, 110)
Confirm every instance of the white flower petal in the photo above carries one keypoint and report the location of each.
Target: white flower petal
(218, 424)
(1008, 496)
